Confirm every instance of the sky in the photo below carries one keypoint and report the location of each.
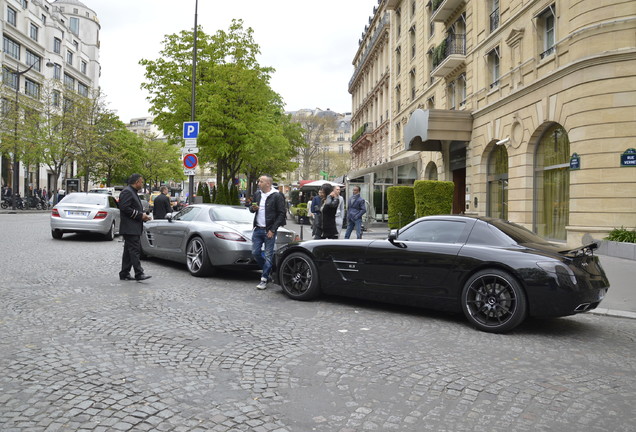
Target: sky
(311, 44)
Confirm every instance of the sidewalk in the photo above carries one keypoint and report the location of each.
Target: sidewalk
(620, 300)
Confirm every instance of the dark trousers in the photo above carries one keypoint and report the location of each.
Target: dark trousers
(130, 257)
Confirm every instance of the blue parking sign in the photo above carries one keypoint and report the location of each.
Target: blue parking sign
(190, 130)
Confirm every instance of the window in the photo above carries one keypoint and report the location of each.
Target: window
(43, 19)
(84, 67)
(451, 95)
(398, 60)
(431, 171)
(494, 15)
(69, 82)
(546, 28)
(57, 71)
(55, 98)
(413, 40)
(69, 57)
(57, 45)
(434, 231)
(34, 59)
(34, 31)
(552, 184)
(493, 67)
(498, 183)
(10, 78)
(412, 77)
(75, 25)
(11, 47)
(398, 19)
(398, 97)
(413, 9)
(5, 106)
(76, 45)
(32, 88)
(82, 89)
(23, 3)
(12, 16)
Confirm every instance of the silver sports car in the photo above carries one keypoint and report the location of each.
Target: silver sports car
(206, 236)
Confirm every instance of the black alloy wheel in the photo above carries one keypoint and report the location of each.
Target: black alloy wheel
(298, 277)
(493, 301)
(197, 258)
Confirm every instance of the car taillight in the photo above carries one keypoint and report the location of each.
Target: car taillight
(101, 215)
(55, 213)
(230, 236)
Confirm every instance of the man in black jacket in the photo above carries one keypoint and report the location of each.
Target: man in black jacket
(161, 206)
(131, 226)
(269, 208)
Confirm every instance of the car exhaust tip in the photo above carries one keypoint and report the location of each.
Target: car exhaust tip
(582, 307)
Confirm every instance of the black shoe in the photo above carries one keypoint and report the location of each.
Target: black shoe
(142, 276)
(127, 277)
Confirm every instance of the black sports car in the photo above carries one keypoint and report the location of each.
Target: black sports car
(495, 271)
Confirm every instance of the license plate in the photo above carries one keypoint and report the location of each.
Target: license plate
(76, 213)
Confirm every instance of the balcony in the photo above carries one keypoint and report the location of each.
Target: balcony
(362, 135)
(450, 54)
(443, 9)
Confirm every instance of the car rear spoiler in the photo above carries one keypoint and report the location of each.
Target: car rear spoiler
(586, 250)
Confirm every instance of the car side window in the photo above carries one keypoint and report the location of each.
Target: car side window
(111, 202)
(434, 231)
(187, 214)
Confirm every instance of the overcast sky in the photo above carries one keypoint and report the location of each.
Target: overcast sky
(311, 44)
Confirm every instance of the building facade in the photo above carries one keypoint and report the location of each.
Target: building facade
(57, 40)
(529, 107)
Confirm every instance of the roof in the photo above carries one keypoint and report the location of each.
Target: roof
(73, 2)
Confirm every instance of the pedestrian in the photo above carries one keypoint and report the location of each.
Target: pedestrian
(340, 213)
(161, 205)
(355, 209)
(315, 205)
(268, 206)
(328, 212)
(132, 218)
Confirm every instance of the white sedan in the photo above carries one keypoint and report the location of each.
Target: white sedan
(83, 212)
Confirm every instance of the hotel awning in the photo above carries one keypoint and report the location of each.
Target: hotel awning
(426, 129)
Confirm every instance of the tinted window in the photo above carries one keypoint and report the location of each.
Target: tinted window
(517, 233)
(236, 214)
(435, 231)
(83, 198)
(187, 214)
(484, 233)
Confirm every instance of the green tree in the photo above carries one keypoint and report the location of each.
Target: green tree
(316, 130)
(159, 161)
(241, 117)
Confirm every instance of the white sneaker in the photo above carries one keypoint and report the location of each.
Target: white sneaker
(262, 285)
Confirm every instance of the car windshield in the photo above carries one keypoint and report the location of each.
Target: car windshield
(83, 198)
(235, 214)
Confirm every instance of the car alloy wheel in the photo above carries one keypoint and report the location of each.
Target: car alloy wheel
(197, 257)
(493, 301)
(298, 276)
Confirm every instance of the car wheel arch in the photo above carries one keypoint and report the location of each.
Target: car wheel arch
(494, 266)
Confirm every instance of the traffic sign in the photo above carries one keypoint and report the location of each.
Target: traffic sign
(186, 150)
(190, 130)
(191, 142)
(190, 161)
(189, 172)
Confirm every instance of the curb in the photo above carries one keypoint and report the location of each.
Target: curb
(613, 313)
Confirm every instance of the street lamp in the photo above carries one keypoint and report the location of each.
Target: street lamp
(16, 162)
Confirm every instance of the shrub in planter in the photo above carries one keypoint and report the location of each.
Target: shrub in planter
(401, 205)
(622, 235)
(433, 197)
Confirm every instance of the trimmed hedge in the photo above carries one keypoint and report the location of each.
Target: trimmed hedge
(401, 205)
(433, 197)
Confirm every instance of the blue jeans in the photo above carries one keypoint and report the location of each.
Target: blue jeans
(264, 260)
(351, 224)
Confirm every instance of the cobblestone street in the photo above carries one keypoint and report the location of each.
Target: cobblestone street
(81, 350)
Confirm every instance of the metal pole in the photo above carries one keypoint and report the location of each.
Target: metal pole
(16, 162)
(193, 101)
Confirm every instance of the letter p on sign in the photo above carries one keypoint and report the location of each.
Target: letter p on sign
(190, 130)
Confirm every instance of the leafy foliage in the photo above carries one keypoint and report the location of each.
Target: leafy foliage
(401, 205)
(622, 235)
(433, 197)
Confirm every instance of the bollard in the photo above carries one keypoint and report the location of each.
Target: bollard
(301, 233)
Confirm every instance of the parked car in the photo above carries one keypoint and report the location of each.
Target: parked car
(496, 272)
(81, 212)
(206, 237)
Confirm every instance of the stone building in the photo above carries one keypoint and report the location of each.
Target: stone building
(529, 107)
(60, 40)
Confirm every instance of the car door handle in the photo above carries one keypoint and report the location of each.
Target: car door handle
(406, 276)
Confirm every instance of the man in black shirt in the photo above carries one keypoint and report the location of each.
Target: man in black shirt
(161, 206)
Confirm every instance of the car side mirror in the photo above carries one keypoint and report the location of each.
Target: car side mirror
(169, 217)
(393, 238)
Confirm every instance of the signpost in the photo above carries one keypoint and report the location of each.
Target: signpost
(628, 158)
(190, 159)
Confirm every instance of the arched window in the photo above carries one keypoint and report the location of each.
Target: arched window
(552, 184)
(498, 183)
(431, 171)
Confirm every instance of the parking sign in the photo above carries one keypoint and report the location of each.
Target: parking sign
(190, 130)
